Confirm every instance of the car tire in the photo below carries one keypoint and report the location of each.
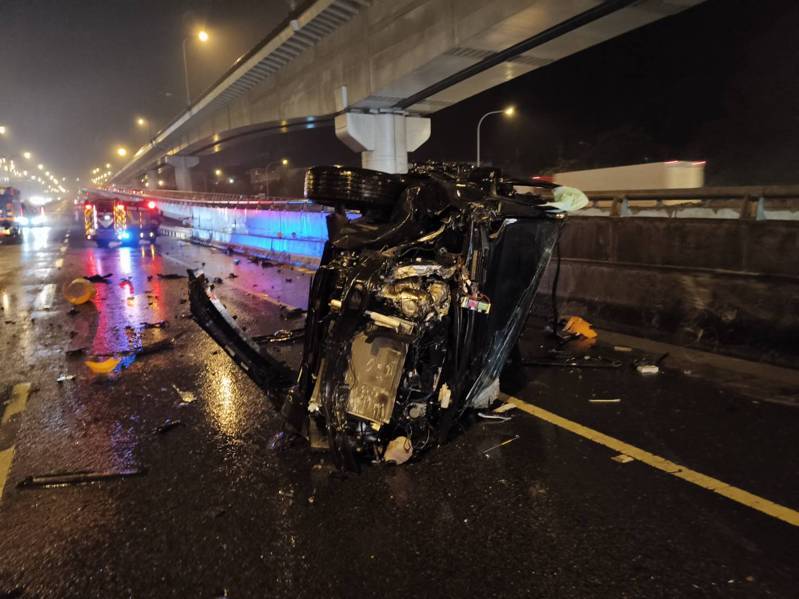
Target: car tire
(350, 187)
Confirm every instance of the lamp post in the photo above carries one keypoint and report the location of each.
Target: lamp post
(507, 112)
(203, 37)
(283, 161)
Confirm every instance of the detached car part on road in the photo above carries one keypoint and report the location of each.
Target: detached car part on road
(413, 312)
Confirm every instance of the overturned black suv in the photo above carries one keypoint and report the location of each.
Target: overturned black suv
(413, 312)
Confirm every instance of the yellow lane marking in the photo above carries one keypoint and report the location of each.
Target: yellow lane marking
(19, 399)
(59, 263)
(6, 457)
(750, 500)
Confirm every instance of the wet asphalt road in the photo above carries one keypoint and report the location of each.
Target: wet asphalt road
(218, 513)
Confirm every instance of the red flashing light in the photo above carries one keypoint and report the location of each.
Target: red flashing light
(151, 205)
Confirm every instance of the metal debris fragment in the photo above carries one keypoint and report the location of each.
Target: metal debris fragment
(76, 478)
(506, 442)
(168, 425)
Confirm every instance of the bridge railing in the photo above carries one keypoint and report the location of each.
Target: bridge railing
(772, 202)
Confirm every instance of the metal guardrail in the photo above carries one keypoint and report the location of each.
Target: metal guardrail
(746, 202)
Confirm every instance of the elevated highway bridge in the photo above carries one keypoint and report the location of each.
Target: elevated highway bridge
(376, 69)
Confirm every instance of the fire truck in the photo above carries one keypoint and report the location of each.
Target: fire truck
(127, 221)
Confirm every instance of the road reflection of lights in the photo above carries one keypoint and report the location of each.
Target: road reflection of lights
(35, 239)
(222, 405)
(125, 262)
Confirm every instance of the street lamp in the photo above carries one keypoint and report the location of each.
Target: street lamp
(3, 130)
(121, 151)
(144, 123)
(27, 155)
(282, 161)
(509, 111)
(203, 37)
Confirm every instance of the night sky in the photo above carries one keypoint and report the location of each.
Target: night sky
(719, 82)
(74, 74)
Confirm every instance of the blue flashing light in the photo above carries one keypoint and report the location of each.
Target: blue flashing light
(124, 235)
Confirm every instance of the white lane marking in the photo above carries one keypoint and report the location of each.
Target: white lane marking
(746, 498)
(44, 301)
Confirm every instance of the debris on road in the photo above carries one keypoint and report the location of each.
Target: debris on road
(185, 396)
(622, 458)
(232, 275)
(570, 361)
(161, 324)
(218, 280)
(170, 276)
(281, 336)
(76, 478)
(167, 426)
(65, 377)
(494, 417)
(647, 369)
(398, 451)
(236, 261)
(72, 311)
(105, 367)
(506, 442)
(79, 291)
(578, 326)
(100, 278)
(614, 400)
(622, 348)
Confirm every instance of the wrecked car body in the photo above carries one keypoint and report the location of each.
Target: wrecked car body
(414, 310)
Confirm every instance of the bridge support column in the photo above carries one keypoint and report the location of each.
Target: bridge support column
(183, 166)
(383, 139)
(152, 179)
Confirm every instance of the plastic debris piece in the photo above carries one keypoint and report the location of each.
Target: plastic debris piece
(185, 396)
(496, 417)
(65, 377)
(167, 425)
(647, 369)
(578, 326)
(104, 367)
(100, 278)
(398, 451)
(497, 446)
(622, 348)
(76, 478)
(622, 458)
(79, 291)
(568, 199)
(614, 400)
